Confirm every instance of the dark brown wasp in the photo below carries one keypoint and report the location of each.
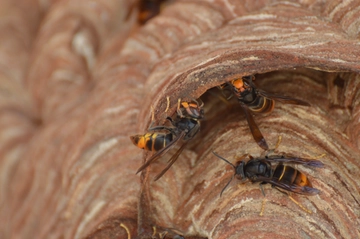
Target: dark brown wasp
(279, 176)
(184, 127)
(148, 9)
(253, 100)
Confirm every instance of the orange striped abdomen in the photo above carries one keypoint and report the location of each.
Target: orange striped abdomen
(152, 141)
(262, 105)
(291, 176)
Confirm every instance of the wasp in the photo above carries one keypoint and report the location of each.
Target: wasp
(254, 100)
(148, 9)
(183, 128)
(280, 176)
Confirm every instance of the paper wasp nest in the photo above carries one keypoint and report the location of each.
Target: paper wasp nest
(78, 78)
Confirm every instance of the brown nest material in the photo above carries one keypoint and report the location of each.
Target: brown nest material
(79, 77)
